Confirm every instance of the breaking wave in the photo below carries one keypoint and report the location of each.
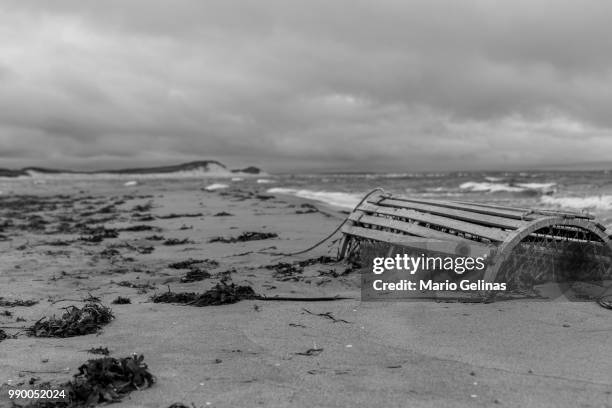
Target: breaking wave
(335, 198)
(216, 186)
(491, 187)
(600, 202)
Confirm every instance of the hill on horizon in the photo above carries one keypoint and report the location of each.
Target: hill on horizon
(200, 165)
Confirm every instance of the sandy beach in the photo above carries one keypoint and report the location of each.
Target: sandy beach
(268, 353)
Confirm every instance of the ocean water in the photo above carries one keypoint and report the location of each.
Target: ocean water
(589, 191)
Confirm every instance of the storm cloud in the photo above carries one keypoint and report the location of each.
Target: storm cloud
(331, 84)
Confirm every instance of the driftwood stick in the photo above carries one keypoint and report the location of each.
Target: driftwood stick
(303, 299)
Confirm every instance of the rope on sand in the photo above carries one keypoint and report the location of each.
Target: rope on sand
(285, 254)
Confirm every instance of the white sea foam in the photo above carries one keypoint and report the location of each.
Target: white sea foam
(490, 187)
(237, 179)
(477, 186)
(216, 186)
(445, 194)
(130, 183)
(265, 181)
(335, 198)
(537, 186)
(493, 179)
(600, 202)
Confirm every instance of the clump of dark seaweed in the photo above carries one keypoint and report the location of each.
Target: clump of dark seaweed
(169, 216)
(246, 236)
(143, 217)
(324, 259)
(74, 322)
(143, 208)
(142, 286)
(104, 210)
(176, 241)
(140, 227)
(264, 197)
(59, 242)
(223, 214)
(3, 335)
(107, 380)
(174, 297)
(109, 253)
(307, 209)
(155, 238)
(195, 275)
(221, 294)
(209, 263)
(99, 350)
(18, 302)
(286, 271)
(99, 234)
(121, 301)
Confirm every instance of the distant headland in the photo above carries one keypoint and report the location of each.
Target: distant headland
(195, 168)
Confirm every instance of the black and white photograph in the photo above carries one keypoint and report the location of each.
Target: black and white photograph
(280, 203)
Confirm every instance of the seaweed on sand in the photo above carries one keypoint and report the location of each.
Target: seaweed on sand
(287, 271)
(121, 301)
(143, 217)
(189, 263)
(155, 238)
(99, 234)
(307, 209)
(323, 259)
(143, 208)
(176, 241)
(3, 335)
(140, 227)
(195, 275)
(18, 302)
(105, 380)
(141, 286)
(170, 216)
(264, 197)
(74, 322)
(174, 297)
(99, 350)
(221, 294)
(246, 236)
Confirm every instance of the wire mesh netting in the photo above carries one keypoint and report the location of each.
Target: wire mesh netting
(556, 254)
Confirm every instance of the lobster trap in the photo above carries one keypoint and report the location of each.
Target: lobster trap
(525, 247)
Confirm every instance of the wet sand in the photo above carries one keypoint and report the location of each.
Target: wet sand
(256, 352)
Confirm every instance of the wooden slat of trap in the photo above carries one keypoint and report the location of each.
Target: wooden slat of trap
(536, 211)
(403, 226)
(494, 234)
(513, 213)
(441, 246)
(482, 219)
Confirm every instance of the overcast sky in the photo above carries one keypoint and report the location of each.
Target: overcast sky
(330, 84)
